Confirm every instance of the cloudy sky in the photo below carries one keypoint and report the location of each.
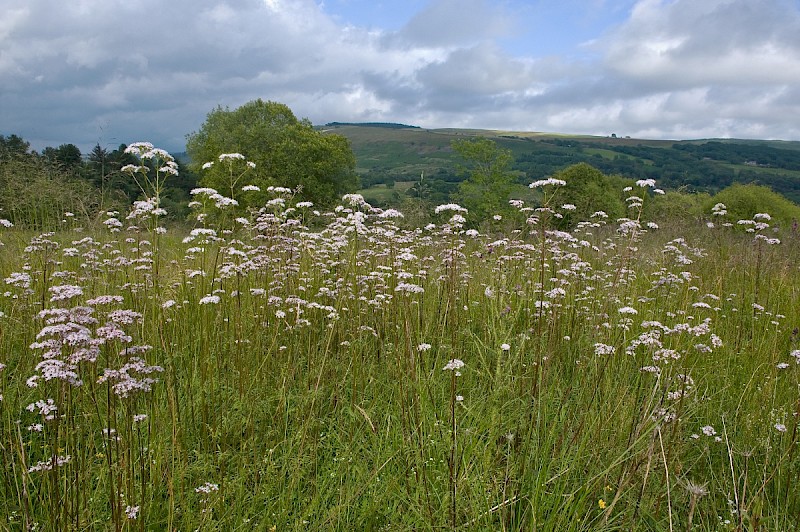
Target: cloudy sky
(114, 71)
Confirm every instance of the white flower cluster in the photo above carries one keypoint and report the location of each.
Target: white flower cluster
(547, 182)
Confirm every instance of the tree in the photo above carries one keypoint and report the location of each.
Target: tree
(67, 156)
(13, 145)
(286, 151)
(589, 190)
(490, 180)
(744, 201)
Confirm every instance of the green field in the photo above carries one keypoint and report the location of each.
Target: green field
(285, 370)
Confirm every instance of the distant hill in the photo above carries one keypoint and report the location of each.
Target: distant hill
(391, 158)
(388, 125)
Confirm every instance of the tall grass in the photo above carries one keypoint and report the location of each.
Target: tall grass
(293, 370)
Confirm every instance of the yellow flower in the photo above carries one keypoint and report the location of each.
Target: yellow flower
(602, 504)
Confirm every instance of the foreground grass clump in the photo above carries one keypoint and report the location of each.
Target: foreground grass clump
(289, 369)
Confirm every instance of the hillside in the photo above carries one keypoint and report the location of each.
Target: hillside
(393, 157)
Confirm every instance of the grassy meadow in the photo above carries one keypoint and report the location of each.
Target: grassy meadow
(288, 369)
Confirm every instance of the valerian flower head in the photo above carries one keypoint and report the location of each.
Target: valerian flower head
(449, 207)
(231, 157)
(209, 300)
(548, 182)
(454, 365)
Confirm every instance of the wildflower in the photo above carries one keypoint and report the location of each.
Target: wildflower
(603, 349)
(47, 465)
(208, 487)
(602, 504)
(64, 292)
(449, 207)
(505, 347)
(250, 188)
(105, 300)
(390, 213)
(124, 317)
(231, 156)
(203, 190)
(423, 347)
(354, 200)
(780, 427)
(546, 182)
(708, 430)
(409, 288)
(132, 512)
(646, 183)
(210, 299)
(628, 310)
(454, 365)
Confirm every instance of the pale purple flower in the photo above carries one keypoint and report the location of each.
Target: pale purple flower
(208, 487)
(603, 349)
(65, 292)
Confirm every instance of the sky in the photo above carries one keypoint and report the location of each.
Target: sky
(110, 72)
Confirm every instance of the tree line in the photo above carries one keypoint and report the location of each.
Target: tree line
(319, 166)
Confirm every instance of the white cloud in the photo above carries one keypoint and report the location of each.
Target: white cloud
(685, 43)
(455, 22)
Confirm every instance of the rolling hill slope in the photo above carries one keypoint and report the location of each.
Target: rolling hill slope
(392, 158)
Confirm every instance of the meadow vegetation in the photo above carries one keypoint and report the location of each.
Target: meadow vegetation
(284, 368)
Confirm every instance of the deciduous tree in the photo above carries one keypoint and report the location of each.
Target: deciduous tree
(286, 151)
(490, 179)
